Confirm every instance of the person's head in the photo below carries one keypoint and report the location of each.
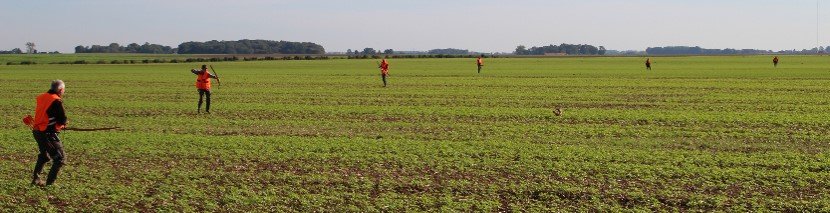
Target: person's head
(204, 67)
(57, 87)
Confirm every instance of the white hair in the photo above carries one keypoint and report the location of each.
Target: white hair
(57, 85)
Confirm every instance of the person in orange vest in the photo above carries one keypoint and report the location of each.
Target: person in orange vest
(384, 70)
(49, 120)
(480, 63)
(775, 61)
(648, 63)
(203, 86)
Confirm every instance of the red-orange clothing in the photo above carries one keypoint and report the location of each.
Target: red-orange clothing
(203, 79)
(775, 59)
(384, 67)
(43, 119)
(480, 61)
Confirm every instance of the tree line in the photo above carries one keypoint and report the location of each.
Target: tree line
(246, 46)
(568, 49)
(211, 47)
(369, 51)
(686, 50)
(130, 48)
(13, 51)
(696, 50)
(176, 60)
(372, 51)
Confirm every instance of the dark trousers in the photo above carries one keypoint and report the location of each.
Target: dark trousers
(383, 77)
(775, 64)
(648, 66)
(204, 93)
(479, 68)
(50, 147)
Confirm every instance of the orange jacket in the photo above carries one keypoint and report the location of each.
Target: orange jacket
(42, 119)
(203, 80)
(384, 67)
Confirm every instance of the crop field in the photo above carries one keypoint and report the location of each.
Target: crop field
(727, 133)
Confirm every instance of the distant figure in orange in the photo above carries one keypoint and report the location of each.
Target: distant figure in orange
(648, 63)
(775, 61)
(203, 86)
(480, 63)
(384, 70)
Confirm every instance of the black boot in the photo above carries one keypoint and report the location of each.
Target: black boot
(53, 173)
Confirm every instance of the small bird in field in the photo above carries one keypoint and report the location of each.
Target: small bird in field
(557, 111)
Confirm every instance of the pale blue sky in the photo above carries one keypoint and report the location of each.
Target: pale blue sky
(482, 25)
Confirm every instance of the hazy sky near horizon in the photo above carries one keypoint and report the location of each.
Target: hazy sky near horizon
(477, 25)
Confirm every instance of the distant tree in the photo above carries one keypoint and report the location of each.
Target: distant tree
(389, 51)
(132, 48)
(369, 51)
(522, 50)
(601, 50)
(114, 48)
(349, 52)
(30, 48)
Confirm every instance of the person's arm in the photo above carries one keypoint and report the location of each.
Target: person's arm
(196, 72)
(57, 112)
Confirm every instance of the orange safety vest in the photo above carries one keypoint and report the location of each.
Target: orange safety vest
(44, 101)
(203, 80)
(479, 61)
(384, 67)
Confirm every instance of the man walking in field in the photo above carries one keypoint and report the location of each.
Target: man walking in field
(203, 86)
(49, 120)
(384, 70)
(480, 63)
(775, 61)
(648, 63)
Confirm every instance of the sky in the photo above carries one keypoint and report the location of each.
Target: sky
(477, 25)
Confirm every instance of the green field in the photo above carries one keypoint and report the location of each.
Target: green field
(697, 133)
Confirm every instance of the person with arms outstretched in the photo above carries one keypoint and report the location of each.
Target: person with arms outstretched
(203, 86)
